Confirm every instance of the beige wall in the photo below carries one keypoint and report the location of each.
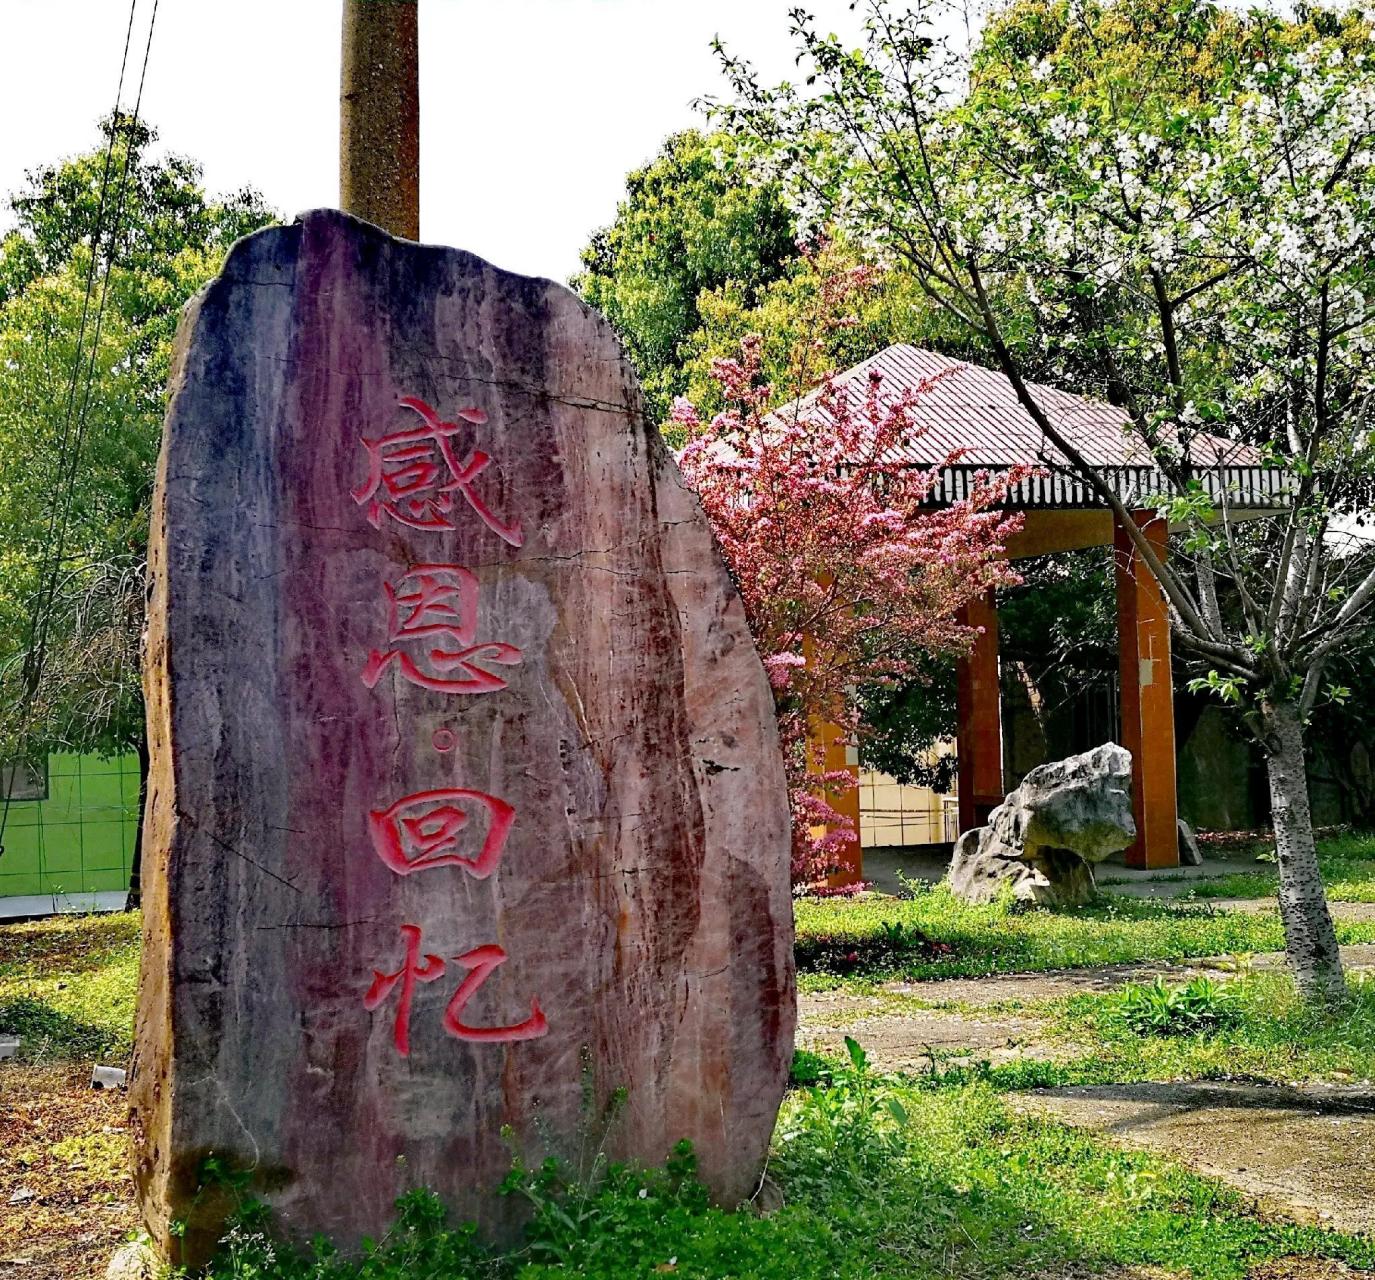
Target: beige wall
(893, 815)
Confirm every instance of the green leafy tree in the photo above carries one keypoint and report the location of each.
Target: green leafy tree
(165, 237)
(803, 324)
(690, 222)
(1197, 248)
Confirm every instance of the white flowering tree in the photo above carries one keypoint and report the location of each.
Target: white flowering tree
(1170, 206)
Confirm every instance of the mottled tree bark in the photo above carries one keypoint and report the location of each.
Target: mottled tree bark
(1309, 936)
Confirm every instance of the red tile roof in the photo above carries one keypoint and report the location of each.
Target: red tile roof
(975, 410)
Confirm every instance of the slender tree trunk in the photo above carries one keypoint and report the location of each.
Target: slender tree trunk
(1309, 937)
(135, 898)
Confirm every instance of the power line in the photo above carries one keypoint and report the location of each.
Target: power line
(72, 434)
(67, 479)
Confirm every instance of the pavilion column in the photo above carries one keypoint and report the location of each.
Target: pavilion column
(1143, 627)
(980, 739)
(830, 750)
(837, 754)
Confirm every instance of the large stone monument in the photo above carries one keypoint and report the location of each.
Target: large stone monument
(466, 809)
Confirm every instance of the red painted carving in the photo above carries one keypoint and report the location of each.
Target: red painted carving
(481, 961)
(444, 739)
(423, 830)
(413, 969)
(413, 475)
(440, 600)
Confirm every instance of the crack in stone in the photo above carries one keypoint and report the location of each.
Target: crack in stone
(314, 924)
(229, 848)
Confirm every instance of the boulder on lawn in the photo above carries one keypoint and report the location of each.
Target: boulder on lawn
(1044, 837)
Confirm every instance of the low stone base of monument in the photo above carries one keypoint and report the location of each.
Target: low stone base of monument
(133, 1261)
(1043, 840)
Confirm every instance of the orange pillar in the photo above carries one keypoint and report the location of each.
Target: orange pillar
(1143, 629)
(980, 741)
(830, 751)
(837, 755)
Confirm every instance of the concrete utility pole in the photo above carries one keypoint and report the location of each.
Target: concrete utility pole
(379, 115)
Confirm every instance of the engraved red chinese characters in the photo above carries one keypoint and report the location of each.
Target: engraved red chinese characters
(435, 602)
(480, 962)
(413, 969)
(414, 475)
(423, 830)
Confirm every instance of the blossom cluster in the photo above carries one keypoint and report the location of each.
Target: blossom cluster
(846, 562)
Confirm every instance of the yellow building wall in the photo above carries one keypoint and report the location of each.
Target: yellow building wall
(894, 816)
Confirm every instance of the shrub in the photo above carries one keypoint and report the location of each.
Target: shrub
(809, 1069)
(1198, 1007)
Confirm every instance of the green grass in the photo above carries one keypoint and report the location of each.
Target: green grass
(956, 1184)
(1347, 880)
(1271, 1037)
(881, 1180)
(1274, 1037)
(1348, 870)
(68, 986)
(1000, 938)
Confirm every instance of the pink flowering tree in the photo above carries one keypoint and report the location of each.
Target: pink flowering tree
(845, 567)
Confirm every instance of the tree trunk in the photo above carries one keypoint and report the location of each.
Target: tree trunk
(135, 898)
(1309, 938)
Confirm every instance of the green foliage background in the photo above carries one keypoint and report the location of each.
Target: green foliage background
(168, 237)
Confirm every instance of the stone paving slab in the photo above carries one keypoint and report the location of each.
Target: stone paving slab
(1303, 1153)
(930, 1039)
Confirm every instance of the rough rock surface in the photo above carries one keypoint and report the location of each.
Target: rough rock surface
(466, 807)
(1045, 836)
(1190, 855)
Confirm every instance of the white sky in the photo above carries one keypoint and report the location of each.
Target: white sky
(531, 110)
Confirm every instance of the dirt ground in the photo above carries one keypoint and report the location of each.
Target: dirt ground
(66, 1200)
(1301, 1153)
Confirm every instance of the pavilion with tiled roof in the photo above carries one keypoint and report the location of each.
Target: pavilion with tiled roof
(966, 410)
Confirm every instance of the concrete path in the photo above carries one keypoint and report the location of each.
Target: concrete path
(1302, 1153)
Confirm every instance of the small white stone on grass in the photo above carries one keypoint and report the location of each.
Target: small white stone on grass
(108, 1077)
(132, 1261)
(9, 1046)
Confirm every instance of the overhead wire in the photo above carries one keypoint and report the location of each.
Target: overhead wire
(67, 481)
(71, 435)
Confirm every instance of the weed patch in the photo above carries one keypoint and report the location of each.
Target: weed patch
(881, 1180)
(1197, 1007)
(1268, 1036)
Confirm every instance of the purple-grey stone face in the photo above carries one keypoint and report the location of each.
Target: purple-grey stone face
(466, 809)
